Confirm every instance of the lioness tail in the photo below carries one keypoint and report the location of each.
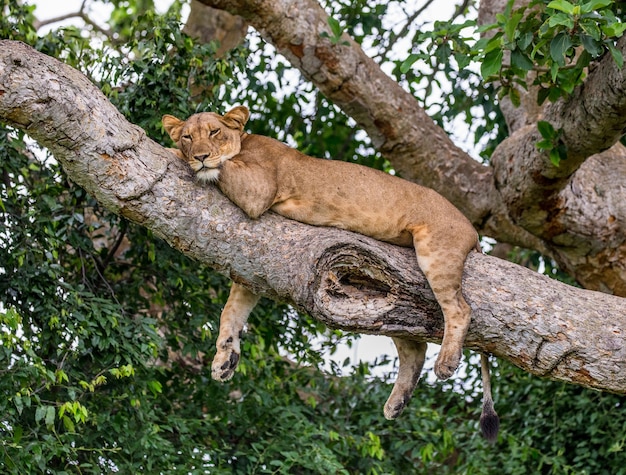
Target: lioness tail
(489, 420)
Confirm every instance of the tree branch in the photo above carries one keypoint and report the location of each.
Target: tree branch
(343, 279)
(67, 16)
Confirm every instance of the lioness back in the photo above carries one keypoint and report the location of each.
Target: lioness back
(341, 194)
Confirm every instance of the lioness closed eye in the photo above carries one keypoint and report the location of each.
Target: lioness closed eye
(259, 173)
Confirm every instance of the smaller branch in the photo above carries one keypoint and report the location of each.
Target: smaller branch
(87, 19)
(106, 283)
(82, 14)
(67, 16)
(531, 184)
(41, 23)
(118, 242)
(393, 38)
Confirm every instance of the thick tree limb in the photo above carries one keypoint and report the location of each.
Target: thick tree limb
(523, 200)
(343, 279)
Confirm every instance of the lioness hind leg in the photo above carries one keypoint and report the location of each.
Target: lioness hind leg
(456, 313)
(443, 268)
(411, 356)
(240, 303)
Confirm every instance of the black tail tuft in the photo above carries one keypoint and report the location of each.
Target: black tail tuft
(489, 422)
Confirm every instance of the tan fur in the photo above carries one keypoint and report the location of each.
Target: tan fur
(259, 173)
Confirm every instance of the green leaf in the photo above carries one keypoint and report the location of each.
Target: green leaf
(487, 45)
(561, 5)
(492, 63)
(590, 26)
(614, 30)
(50, 414)
(519, 60)
(555, 157)
(40, 413)
(17, 434)
(545, 144)
(559, 47)
(592, 46)
(68, 424)
(525, 40)
(511, 25)
(561, 19)
(462, 60)
(554, 72)
(17, 400)
(555, 94)
(482, 44)
(514, 95)
(406, 65)
(546, 130)
(562, 149)
(617, 56)
(155, 387)
(443, 53)
(583, 60)
(595, 5)
(335, 27)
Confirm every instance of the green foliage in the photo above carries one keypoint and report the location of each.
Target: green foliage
(551, 142)
(336, 32)
(106, 333)
(555, 39)
(447, 49)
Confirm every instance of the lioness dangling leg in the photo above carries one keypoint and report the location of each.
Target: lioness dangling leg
(443, 268)
(240, 303)
(411, 355)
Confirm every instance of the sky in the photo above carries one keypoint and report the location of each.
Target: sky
(53, 8)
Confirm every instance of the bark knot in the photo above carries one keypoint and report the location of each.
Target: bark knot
(353, 284)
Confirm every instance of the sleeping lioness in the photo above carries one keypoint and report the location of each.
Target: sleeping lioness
(259, 173)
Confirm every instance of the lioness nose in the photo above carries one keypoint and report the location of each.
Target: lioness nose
(201, 158)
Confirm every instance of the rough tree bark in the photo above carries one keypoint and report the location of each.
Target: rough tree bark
(574, 213)
(343, 279)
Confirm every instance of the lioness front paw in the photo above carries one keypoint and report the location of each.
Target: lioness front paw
(224, 365)
(447, 363)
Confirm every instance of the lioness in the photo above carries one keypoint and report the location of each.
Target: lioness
(259, 173)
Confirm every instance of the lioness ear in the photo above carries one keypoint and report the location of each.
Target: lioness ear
(172, 126)
(237, 117)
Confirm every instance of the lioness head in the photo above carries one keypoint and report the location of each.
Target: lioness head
(207, 140)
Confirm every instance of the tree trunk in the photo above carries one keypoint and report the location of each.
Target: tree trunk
(208, 24)
(344, 279)
(523, 199)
